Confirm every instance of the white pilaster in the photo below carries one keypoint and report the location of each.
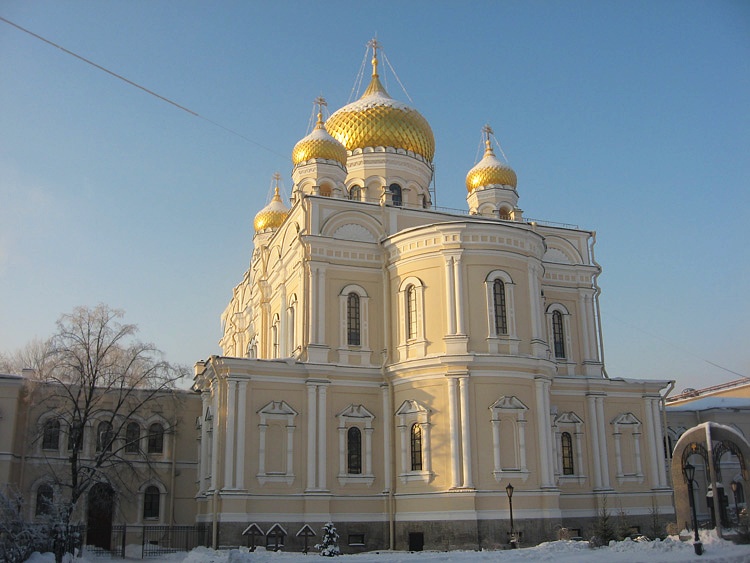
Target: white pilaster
(322, 416)
(241, 422)
(230, 434)
(453, 421)
(459, 296)
(593, 428)
(603, 442)
(468, 481)
(387, 421)
(450, 302)
(311, 442)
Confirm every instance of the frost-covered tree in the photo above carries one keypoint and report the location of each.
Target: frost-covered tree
(329, 545)
(19, 539)
(98, 377)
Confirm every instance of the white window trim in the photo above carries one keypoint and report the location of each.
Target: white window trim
(501, 343)
(359, 416)
(409, 413)
(417, 346)
(276, 410)
(571, 423)
(347, 352)
(565, 365)
(142, 502)
(291, 328)
(509, 409)
(628, 421)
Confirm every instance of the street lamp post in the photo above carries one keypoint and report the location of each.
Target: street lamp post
(513, 540)
(690, 474)
(736, 506)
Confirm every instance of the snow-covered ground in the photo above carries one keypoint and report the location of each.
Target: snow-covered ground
(669, 550)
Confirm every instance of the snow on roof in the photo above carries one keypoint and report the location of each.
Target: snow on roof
(709, 403)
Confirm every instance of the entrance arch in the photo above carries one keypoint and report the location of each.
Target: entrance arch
(710, 441)
(99, 518)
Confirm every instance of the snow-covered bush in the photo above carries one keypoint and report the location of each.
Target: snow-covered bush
(19, 539)
(329, 546)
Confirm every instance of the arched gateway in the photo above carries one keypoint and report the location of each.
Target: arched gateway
(705, 443)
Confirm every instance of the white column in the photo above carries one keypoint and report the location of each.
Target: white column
(603, 441)
(217, 432)
(368, 451)
(522, 440)
(322, 451)
(468, 481)
(651, 443)
(342, 448)
(637, 447)
(618, 451)
(542, 423)
(387, 421)
(311, 430)
(496, 444)
(320, 306)
(450, 302)
(427, 451)
(205, 402)
(241, 422)
(459, 296)
(538, 338)
(659, 439)
(405, 462)
(584, 320)
(453, 421)
(289, 469)
(593, 430)
(230, 434)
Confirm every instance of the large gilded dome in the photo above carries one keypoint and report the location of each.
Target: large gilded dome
(377, 120)
(319, 144)
(272, 215)
(490, 171)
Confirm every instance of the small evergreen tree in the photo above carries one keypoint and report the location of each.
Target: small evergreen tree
(329, 546)
(604, 530)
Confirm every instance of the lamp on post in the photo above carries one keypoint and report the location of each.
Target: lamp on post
(733, 484)
(513, 539)
(690, 474)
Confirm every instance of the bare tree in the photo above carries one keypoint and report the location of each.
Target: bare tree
(34, 356)
(98, 377)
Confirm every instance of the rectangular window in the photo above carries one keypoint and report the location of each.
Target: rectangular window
(356, 539)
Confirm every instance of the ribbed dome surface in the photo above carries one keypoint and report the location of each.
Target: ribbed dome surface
(490, 170)
(377, 120)
(272, 215)
(319, 144)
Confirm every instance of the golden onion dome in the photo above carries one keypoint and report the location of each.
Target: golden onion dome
(490, 170)
(377, 120)
(319, 144)
(272, 215)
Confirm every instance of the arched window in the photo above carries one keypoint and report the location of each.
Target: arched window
(352, 320)
(416, 447)
(504, 213)
(44, 498)
(739, 494)
(501, 314)
(396, 197)
(132, 438)
(155, 438)
(104, 437)
(355, 193)
(558, 334)
(325, 190)
(411, 312)
(567, 453)
(51, 435)
(151, 498)
(354, 451)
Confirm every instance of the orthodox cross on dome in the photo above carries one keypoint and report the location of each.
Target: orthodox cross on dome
(488, 133)
(320, 101)
(374, 44)
(276, 179)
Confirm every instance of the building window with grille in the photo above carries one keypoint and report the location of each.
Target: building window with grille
(44, 499)
(355, 193)
(354, 451)
(151, 499)
(51, 435)
(416, 447)
(501, 314)
(396, 195)
(411, 312)
(155, 438)
(132, 438)
(104, 437)
(558, 334)
(566, 443)
(353, 334)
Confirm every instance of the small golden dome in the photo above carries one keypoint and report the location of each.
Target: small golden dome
(377, 120)
(490, 170)
(319, 144)
(272, 216)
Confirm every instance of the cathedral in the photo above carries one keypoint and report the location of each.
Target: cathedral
(423, 379)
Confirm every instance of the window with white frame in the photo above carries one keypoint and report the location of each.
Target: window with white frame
(568, 429)
(626, 430)
(151, 501)
(44, 500)
(51, 434)
(132, 438)
(291, 314)
(501, 321)
(275, 351)
(276, 443)
(411, 311)
(508, 418)
(354, 324)
(355, 426)
(156, 438)
(558, 330)
(414, 430)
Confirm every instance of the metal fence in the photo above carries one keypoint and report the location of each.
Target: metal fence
(148, 541)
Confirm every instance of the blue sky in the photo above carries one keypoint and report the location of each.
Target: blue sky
(628, 118)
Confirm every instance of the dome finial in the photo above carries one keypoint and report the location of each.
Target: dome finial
(320, 101)
(276, 179)
(375, 86)
(375, 44)
(488, 132)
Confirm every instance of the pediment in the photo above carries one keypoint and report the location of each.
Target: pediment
(508, 403)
